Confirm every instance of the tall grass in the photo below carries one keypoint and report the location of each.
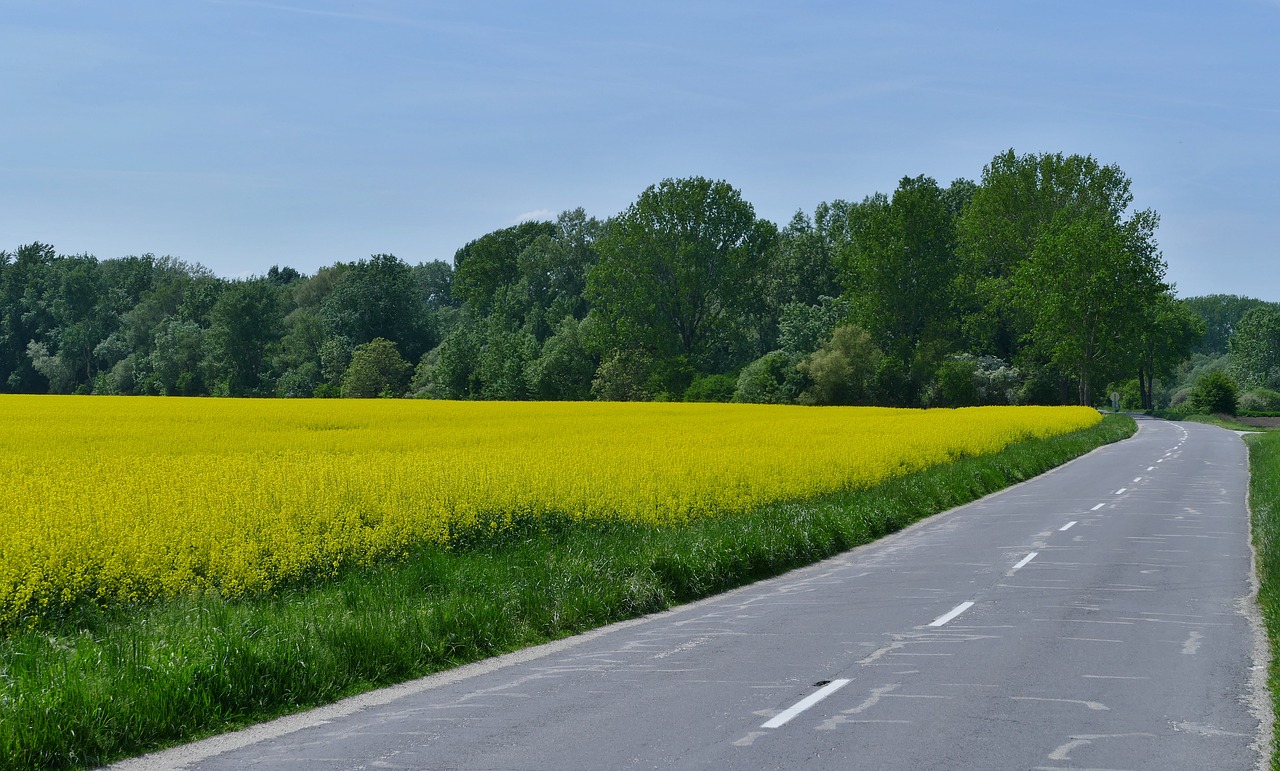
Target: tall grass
(104, 683)
(1264, 501)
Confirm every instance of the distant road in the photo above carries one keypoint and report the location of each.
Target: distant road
(1095, 617)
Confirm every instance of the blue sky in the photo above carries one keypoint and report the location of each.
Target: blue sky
(243, 134)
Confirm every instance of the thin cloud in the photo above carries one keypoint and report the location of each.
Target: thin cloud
(536, 214)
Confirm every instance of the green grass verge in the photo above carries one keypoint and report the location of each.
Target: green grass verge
(105, 684)
(1264, 502)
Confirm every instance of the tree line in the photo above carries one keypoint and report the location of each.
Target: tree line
(1038, 283)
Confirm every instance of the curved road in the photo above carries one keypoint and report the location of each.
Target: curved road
(1098, 616)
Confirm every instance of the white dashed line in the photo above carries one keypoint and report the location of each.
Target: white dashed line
(1066, 527)
(1095, 508)
(957, 610)
(1121, 491)
(1022, 562)
(785, 716)
(1137, 479)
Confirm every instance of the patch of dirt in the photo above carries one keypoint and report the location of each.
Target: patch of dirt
(1259, 422)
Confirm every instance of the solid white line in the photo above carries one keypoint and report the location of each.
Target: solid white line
(1095, 508)
(1024, 561)
(1121, 490)
(784, 717)
(1066, 526)
(957, 610)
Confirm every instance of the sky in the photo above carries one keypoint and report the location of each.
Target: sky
(240, 134)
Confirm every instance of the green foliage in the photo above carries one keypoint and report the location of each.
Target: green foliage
(678, 272)
(623, 376)
(899, 267)
(376, 298)
(246, 322)
(486, 264)
(802, 328)
(1259, 400)
(1040, 264)
(773, 378)
(565, 367)
(711, 388)
(376, 369)
(955, 385)
(843, 370)
(1220, 313)
(1255, 348)
(1214, 393)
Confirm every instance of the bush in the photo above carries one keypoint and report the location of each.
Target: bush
(1259, 400)
(770, 379)
(965, 380)
(376, 369)
(711, 388)
(1215, 393)
(844, 369)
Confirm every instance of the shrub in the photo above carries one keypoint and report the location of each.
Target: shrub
(770, 379)
(1259, 400)
(843, 369)
(711, 388)
(1214, 393)
(376, 369)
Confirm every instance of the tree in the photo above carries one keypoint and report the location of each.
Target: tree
(771, 379)
(1017, 198)
(376, 298)
(376, 369)
(246, 323)
(899, 268)
(678, 271)
(1221, 314)
(564, 369)
(1087, 287)
(24, 272)
(1255, 348)
(1169, 331)
(492, 261)
(843, 370)
(177, 365)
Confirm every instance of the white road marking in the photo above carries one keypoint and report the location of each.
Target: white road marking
(1066, 527)
(1121, 490)
(1137, 479)
(1097, 706)
(957, 610)
(784, 717)
(1022, 562)
(1192, 645)
(1095, 508)
(1151, 468)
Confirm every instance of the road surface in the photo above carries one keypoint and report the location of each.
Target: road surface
(1098, 616)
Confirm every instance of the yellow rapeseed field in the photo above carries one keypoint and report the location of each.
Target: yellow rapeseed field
(131, 498)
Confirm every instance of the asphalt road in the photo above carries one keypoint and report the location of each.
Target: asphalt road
(1098, 616)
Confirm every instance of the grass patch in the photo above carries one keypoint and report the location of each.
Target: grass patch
(1264, 502)
(107, 683)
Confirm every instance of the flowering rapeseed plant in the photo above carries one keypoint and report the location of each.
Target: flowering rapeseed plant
(123, 499)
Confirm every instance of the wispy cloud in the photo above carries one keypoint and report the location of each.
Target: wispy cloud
(536, 214)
